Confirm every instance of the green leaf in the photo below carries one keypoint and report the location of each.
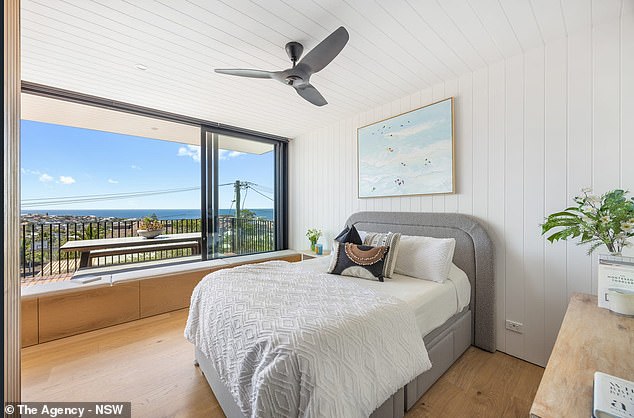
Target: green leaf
(594, 247)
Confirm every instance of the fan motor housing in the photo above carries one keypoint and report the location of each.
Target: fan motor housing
(294, 51)
(292, 79)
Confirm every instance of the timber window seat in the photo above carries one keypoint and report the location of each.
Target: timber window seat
(57, 310)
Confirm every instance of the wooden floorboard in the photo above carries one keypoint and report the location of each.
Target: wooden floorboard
(149, 363)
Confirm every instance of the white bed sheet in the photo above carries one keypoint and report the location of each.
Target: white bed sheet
(433, 303)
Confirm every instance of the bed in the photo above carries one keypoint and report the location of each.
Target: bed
(446, 335)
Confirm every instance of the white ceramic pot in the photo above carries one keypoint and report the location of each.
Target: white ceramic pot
(621, 301)
(150, 234)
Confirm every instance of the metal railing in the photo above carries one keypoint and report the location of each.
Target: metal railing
(41, 256)
(245, 235)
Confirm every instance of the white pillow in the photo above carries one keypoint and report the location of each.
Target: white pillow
(461, 283)
(425, 257)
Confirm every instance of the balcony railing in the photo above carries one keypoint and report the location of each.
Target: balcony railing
(42, 259)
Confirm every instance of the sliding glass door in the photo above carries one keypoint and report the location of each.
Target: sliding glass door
(243, 194)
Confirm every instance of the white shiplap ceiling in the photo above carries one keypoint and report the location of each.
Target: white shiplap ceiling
(396, 47)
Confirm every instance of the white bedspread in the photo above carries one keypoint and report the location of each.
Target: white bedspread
(433, 303)
(288, 343)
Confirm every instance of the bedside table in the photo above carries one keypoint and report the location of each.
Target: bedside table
(308, 254)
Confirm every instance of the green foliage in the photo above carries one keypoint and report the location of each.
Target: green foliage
(607, 219)
(92, 232)
(247, 214)
(313, 234)
(151, 223)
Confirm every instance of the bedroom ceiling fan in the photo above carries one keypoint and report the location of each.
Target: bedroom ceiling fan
(298, 76)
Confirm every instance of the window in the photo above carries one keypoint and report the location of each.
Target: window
(242, 195)
(94, 172)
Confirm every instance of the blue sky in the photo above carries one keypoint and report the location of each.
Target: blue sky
(62, 161)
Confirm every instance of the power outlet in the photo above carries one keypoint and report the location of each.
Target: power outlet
(515, 326)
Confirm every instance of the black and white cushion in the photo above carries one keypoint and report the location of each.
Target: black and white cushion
(349, 234)
(364, 261)
(390, 240)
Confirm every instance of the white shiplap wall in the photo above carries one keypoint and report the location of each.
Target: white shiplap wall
(531, 131)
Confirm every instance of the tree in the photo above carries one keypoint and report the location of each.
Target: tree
(247, 214)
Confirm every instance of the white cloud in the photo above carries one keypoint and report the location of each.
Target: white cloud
(224, 154)
(29, 171)
(192, 151)
(135, 167)
(66, 180)
(111, 181)
(45, 178)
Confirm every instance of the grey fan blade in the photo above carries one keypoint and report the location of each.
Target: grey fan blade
(245, 72)
(326, 51)
(311, 94)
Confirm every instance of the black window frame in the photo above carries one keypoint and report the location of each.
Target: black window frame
(209, 189)
(280, 149)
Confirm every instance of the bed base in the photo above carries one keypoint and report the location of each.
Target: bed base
(444, 345)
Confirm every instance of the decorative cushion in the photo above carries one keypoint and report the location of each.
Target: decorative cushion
(425, 257)
(355, 260)
(390, 240)
(349, 235)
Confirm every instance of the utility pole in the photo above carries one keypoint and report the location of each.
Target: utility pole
(237, 186)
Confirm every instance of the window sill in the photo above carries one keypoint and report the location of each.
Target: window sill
(109, 279)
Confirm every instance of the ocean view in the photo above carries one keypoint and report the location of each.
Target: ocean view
(163, 214)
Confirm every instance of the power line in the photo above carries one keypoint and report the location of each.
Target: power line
(98, 198)
(244, 199)
(265, 189)
(262, 194)
(55, 201)
(108, 194)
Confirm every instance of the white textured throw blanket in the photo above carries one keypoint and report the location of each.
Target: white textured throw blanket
(291, 343)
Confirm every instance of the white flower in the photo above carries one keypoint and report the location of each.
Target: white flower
(594, 199)
(627, 227)
(605, 219)
(590, 209)
(586, 190)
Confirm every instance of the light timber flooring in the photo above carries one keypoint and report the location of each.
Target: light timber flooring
(149, 363)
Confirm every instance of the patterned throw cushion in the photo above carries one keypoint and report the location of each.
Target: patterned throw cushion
(390, 240)
(355, 260)
(349, 235)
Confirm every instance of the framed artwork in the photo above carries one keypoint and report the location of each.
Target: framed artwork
(408, 154)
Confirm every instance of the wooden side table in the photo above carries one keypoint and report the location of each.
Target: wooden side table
(590, 339)
(308, 254)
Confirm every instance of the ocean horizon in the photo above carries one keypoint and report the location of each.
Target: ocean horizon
(163, 214)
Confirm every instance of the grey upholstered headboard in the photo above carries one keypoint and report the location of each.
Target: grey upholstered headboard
(474, 254)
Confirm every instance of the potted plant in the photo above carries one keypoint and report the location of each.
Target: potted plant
(607, 219)
(313, 235)
(150, 227)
